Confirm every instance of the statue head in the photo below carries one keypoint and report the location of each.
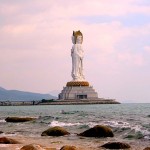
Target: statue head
(77, 37)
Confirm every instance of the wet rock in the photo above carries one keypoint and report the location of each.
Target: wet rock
(55, 131)
(98, 131)
(137, 135)
(116, 145)
(4, 140)
(19, 119)
(147, 148)
(32, 147)
(67, 147)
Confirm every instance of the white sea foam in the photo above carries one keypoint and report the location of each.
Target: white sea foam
(90, 124)
(8, 134)
(2, 120)
(136, 128)
(62, 124)
(120, 124)
(147, 137)
(144, 132)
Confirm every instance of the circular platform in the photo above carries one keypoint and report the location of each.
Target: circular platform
(77, 83)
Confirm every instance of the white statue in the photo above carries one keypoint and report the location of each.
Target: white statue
(77, 56)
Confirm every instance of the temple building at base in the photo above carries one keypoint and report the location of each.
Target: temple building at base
(79, 91)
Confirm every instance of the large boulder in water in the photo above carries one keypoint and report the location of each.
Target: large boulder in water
(55, 131)
(19, 119)
(67, 147)
(98, 131)
(116, 145)
(4, 140)
(147, 148)
(32, 147)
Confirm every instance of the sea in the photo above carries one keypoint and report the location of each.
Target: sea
(129, 122)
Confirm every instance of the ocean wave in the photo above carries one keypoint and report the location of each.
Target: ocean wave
(120, 124)
(62, 124)
(2, 120)
(139, 129)
(8, 134)
(46, 119)
(121, 127)
(91, 124)
(134, 131)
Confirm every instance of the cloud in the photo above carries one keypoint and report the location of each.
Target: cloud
(16, 30)
(36, 41)
(8, 9)
(147, 49)
(131, 59)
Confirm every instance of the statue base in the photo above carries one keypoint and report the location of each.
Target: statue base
(78, 90)
(77, 83)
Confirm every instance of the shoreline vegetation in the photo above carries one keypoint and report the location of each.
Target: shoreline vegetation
(59, 102)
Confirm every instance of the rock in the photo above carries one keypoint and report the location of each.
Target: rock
(116, 145)
(147, 148)
(55, 131)
(18, 119)
(32, 147)
(98, 131)
(50, 149)
(1, 132)
(137, 135)
(4, 140)
(67, 147)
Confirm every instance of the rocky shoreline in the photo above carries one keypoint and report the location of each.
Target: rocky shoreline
(32, 126)
(58, 143)
(67, 142)
(99, 137)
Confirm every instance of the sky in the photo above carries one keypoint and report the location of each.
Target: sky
(35, 46)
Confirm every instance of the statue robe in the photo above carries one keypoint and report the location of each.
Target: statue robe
(77, 62)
